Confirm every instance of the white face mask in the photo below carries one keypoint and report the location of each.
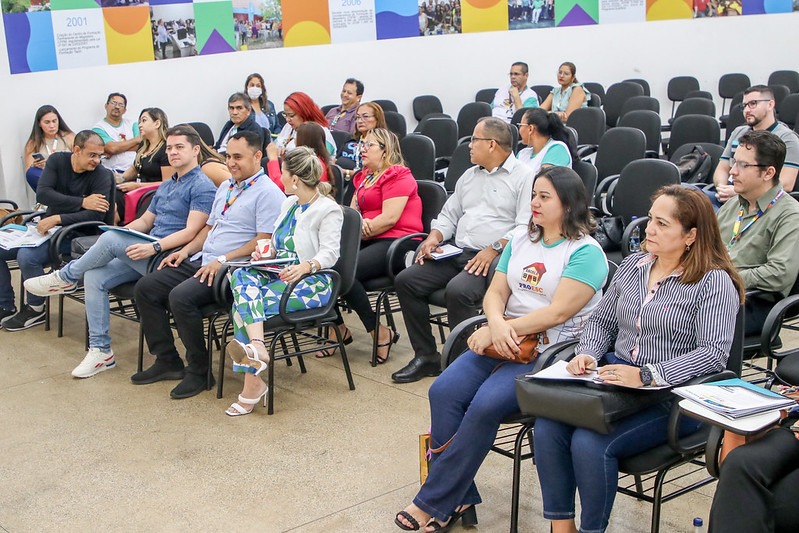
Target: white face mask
(254, 92)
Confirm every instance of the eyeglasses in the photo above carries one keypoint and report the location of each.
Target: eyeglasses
(93, 156)
(482, 139)
(118, 105)
(515, 74)
(751, 104)
(742, 165)
(368, 145)
(363, 117)
(520, 125)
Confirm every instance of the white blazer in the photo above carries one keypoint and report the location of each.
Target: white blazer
(318, 231)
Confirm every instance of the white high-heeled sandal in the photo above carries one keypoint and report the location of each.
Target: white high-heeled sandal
(236, 409)
(245, 354)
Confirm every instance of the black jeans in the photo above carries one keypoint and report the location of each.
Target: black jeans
(464, 296)
(757, 487)
(177, 290)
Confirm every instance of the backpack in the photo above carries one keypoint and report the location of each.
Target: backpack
(695, 166)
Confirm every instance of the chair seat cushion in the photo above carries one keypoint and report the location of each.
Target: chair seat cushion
(306, 318)
(378, 284)
(81, 245)
(125, 291)
(661, 456)
(788, 370)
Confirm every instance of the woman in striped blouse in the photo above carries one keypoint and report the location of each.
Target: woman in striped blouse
(668, 316)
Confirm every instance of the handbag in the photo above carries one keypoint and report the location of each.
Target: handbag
(581, 404)
(608, 233)
(528, 350)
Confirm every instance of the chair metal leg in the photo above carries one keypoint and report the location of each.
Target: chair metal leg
(378, 307)
(517, 466)
(657, 495)
(140, 363)
(344, 360)
(60, 314)
(271, 378)
(222, 354)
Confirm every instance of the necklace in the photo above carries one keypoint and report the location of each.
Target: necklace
(371, 179)
(550, 241)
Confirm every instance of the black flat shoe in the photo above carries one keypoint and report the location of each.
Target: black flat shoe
(418, 368)
(192, 385)
(159, 371)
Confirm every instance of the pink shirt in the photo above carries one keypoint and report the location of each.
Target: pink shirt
(397, 181)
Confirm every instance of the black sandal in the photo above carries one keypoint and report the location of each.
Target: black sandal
(394, 340)
(407, 516)
(469, 516)
(325, 353)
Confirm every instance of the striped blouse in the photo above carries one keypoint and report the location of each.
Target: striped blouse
(677, 330)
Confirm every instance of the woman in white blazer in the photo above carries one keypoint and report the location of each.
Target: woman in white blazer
(307, 232)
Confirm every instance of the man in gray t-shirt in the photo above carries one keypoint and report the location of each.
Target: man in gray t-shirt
(758, 107)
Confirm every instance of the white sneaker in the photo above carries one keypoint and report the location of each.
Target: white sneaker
(49, 284)
(96, 361)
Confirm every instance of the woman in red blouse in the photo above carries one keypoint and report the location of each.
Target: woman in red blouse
(386, 196)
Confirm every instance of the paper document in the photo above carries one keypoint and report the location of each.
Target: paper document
(18, 236)
(260, 262)
(558, 371)
(735, 400)
(130, 232)
(448, 250)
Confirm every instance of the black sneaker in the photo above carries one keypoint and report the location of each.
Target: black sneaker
(160, 371)
(192, 385)
(5, 313)
(27, 318)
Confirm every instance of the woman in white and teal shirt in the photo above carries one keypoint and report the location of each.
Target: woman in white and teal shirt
(568, 95)
(547, 141)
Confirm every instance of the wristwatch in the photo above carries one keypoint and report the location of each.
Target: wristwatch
(646, 376)
(157, 247)
(221, 258)
(497, 245)
(314, 268)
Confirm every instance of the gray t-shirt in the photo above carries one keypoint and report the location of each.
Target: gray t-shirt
(779, 129)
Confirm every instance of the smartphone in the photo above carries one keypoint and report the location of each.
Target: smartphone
(38, 157)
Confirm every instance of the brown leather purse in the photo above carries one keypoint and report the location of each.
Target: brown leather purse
(528, 350)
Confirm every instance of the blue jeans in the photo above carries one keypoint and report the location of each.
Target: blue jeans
(467, 402)
(104, 267)
(31, 263)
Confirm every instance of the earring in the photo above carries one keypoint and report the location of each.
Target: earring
(687, 248)
(294, 187)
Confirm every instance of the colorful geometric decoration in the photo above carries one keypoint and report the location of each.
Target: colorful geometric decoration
(761, 7)
(213, 22)
(669, 9)
(576, 12)
(305, 22)
(29, 40)
(484, 15)
(128, 34)
(397, 18)
(58, 5)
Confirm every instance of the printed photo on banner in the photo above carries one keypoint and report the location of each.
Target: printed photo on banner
(717, 8)
(173, 31)
(123, 3)
(439, 17)
(25, 6)
(527, 14)
(258, 24)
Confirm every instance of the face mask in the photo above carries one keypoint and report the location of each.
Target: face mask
(254, 92)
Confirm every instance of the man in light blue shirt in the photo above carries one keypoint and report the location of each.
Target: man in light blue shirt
(244, 211)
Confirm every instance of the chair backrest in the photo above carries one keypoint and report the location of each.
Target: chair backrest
(425, 104)
(419, 153)
(780, 93)
(618, 147)
(638, 182)
(649, 123)
(679, 86)
(734, 119)
(699, 94)
(542, 91)
(349, 247)
(588, 174)
(693, 129)
(396, 123)
(204, 130)
(338, 183)
(340, 137)
(790, 110)
(733, 83)
(643, 83)
(712, 149)
(595, 101)
(144, 202)
(595, 88)
(469, 115)
(617, 94)
(458, 164)
(433, 197)
(696, 106)
(573, 136)
(789, 78)
(486, 95)
(386, 105)
(443, 132)
(639, 103)
(328, 107)
(517, 116)
(281, 118)
(735, 360)
(589, 123)
(430, 116)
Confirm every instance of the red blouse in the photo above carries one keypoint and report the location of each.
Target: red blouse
(397, 181)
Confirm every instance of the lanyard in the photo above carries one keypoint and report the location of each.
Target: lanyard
(337, 117)
(736, 228)
(230, 201)
(367, 182)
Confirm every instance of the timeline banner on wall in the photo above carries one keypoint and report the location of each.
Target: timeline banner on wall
(44, 35)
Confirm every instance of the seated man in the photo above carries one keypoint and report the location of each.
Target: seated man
(75, 188)
(760, 228)
(244, 211)
(490, 200)
(178, 212)
(758, 108)
(517, 95)
(242, 118)
(121, 136)
(342, 117)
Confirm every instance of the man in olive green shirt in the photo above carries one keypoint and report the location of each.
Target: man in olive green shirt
(761, 228)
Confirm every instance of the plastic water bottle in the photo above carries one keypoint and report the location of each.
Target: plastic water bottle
(699, 525)
(635, 238)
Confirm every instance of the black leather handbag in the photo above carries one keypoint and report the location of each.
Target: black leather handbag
(582, 404)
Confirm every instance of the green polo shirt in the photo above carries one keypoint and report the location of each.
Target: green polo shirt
(766, 255)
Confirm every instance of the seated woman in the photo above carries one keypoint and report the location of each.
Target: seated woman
(212, 163)
(368, 116)
(470, 398)
(308, 231)
(387, 198)
(262, 107)
(568, 95)
(151, 164)
(309, 134)
(668, 316)
(547, 141)
(49, 134)
(300, 108)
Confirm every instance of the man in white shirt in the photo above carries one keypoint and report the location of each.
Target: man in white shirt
(510, 99)
(490, 200)
(121, 136)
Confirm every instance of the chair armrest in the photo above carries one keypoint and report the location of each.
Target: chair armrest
(221, 287)
(65, 232)
(712, 450)
(625, 236)
(14, 214)
(454, 339)
(310, 314)
(394, 251)
(585, 150)
(11, 203)
(603, 187)
(772, 325)
(30, 215)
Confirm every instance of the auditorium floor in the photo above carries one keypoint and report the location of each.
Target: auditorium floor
(103, 455)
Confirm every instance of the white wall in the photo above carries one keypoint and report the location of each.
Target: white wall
(453, 67)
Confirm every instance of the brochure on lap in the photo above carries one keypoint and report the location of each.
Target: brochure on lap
(558, 371)
(18, 236)
(735, 398)
(129, 231)
(259, 263)
(447, 250)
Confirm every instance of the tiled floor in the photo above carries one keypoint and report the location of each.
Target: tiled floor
(103, 455)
